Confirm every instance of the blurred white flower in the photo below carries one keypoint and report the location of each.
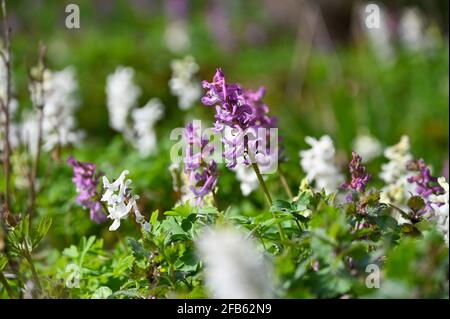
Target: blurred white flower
(13, 106)
(144, 119)
(59, 110)
(368, 147)
(379, 37)
(57, 95)
(14, 128)
(440, 204)
(3, 77)
(183, 84)
(318, 163)
(395, 175)
(176, 37)
(122, 95)
(29, 132)
(180, 185)
(234, 267)
(247, 177)
(411, 29)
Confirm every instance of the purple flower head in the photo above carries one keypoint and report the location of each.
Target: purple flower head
(200, 170)
(231, 106)
(426, 184)
(240, 113)
(260, 110)
(86, 186)
(359, 177)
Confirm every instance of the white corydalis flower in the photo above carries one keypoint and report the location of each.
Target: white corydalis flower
(122, 95)
(14, 128)
(440, 205)
(120, 203)
(234, 267)
(59, 109)
(3, 76)
(248, 179)
(176, 37)
(380, 38)
(115, 196)
(395, 174)
(318, 163)
(57, 95)
(411, 30)
(183, 84)
(13, 106)
(368, 147)
(144, 119)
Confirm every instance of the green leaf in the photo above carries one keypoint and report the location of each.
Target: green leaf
(410, 229)
(154, 218)
(3, 262)
(280, 205)
(41, 230)
(416, 203)
(181, 210)
(71, 252)
(138, 249)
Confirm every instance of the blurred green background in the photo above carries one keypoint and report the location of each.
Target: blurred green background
(322, 73)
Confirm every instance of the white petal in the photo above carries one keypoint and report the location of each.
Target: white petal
(115, 225)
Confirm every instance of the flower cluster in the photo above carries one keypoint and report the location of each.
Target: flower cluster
(182, 84)
(439, 204)
(395, 174)
(368, 147)
(359, 177)
(56, 94)
(248, 179)
(144, 118)
(120, 202)
(239, 115)
(426, 184)
(231, 105)
(200, 169)
(86, 182)
(318, 163)
(122, 95)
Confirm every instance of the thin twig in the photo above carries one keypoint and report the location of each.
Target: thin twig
(5, 107)
(40, 108)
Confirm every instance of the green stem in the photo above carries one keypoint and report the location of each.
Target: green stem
(285, 183)
(5, 284)
(33, 270)
(262, 183)
(268, 198)
(216, 200)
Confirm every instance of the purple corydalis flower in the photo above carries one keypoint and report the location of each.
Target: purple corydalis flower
(359, 177)
(260, 110)
(201, 171)
(231, 106)
(86, 185)
(244, 112)
(426, 184)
